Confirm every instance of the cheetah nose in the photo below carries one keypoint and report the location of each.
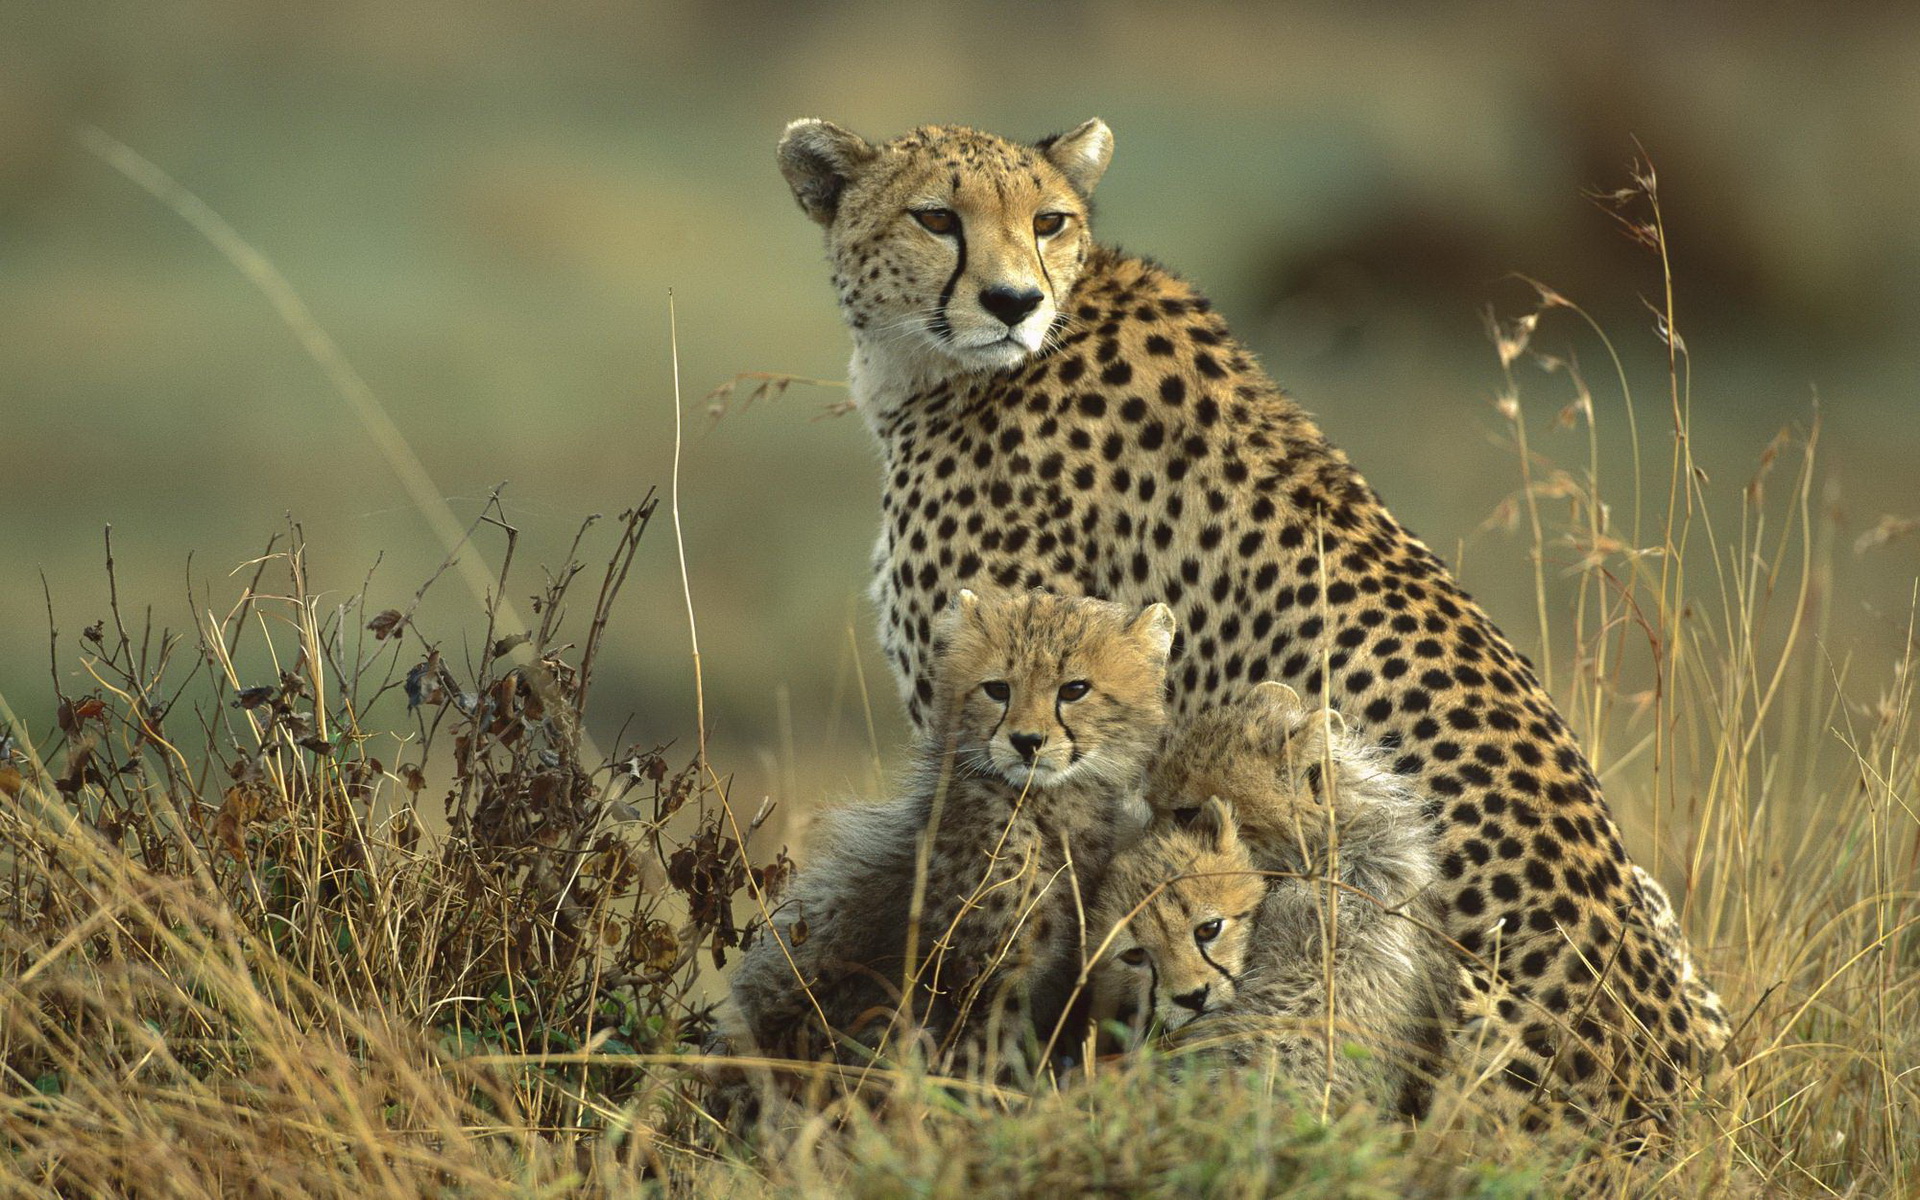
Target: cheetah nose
(1011, 305)
(1195, 999)
(1028, 744)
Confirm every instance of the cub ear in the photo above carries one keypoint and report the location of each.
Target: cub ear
(1215, 826)
(1155, 627)
(1274, 711)
(961, 611)
(1311, 744)
(1081, 154)
(818, 157)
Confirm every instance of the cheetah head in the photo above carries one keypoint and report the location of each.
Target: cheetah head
(1040, 689)
(1307, 792)
(1177, 910)
(946, 243)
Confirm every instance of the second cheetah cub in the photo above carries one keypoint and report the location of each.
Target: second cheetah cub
(1325, 965)
(954, 913)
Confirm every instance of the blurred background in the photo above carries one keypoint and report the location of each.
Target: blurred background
(485, 204)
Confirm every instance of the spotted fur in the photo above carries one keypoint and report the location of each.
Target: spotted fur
(1137, 452)
(1340, 977)
(994, 848)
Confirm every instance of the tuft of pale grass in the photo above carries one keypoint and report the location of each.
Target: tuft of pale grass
(301, 904)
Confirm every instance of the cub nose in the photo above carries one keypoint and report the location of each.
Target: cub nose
(1011, 305)
(1195, 999)
(1028, 745)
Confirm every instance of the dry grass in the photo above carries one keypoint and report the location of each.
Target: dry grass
(314, 902)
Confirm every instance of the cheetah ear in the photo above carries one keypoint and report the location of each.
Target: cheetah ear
(1311, 743)
(1081, 154)
(960, 612)
(818, 157)
(1214, 825)
(1274, 711)
(1155, 626)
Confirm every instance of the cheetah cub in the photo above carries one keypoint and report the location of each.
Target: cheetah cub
(953, 913)
(1292, 925)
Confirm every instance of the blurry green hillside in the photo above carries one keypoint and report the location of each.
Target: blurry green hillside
(485, 204)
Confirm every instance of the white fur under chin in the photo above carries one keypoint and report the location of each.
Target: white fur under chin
(1020, 775)
(883, 372)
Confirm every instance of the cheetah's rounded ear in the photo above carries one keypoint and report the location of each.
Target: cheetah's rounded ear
(818, 157)
(959, 612)
(1214, 824)
(1313, 742)
(1155, 626)
(1274, 711)
(1270, 695)
(1081, 154)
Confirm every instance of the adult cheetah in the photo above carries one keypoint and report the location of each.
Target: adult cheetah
(1057, 414)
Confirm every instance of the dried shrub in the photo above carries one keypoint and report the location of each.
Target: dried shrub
(295, 888)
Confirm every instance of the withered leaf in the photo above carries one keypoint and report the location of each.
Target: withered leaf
(96, 632)
(509, 644)
(242, 807)
(544, 788)
(423, 683)
(254, 697)
(317, 745)
(73, 714)
(387, 624)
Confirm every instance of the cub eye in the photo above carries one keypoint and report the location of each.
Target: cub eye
(1075, 690)
(1048, 224)
(937, 220)
(1133, 957)
(996, 690)
(1206, 931)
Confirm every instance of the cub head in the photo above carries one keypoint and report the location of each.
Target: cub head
(1263, 752)
(1306, 792)
(948, 242)
(1040, 688)
(1180, 906)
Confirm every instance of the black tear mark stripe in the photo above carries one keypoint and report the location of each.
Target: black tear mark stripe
(942, 328)
(1208, 959)
(1073, 743)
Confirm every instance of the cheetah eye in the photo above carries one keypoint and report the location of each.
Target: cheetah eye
(1206, 931)
(1075, 690)
(1134, 957)
(1048, 224)
(996, 689)
(937, 220)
